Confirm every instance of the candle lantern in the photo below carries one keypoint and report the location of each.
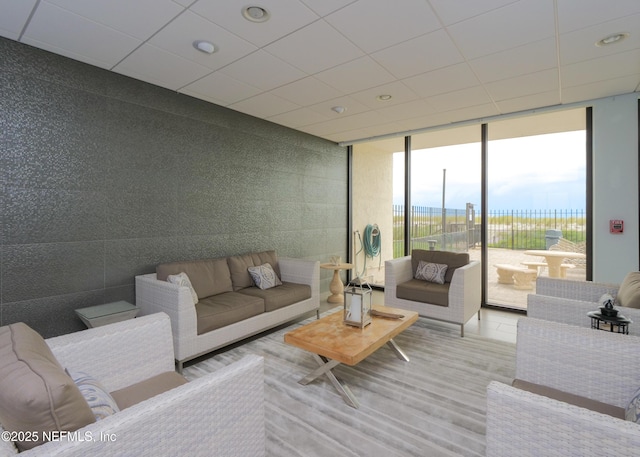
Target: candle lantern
(357, 305)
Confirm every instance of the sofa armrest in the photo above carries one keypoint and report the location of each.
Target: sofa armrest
(119, 354)
(220, 413)
(154, 296)
(600, 365)
(397, 271)
(525, 424)
(301, 271)
(575, 290)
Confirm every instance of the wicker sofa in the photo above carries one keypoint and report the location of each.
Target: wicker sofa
(567, 301)
(455, 301)
(221, 413)
(572, 366)
(229, 308)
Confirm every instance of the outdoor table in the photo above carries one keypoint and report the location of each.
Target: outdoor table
(554, 259)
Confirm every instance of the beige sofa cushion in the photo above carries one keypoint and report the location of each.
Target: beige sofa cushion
(208, 276)
(36, 394)
(453, 260)
(239, 267)
(629, 291)
(148, 388)
(278, 297)
(227, 308)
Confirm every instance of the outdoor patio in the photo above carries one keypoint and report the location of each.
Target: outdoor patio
(507, 294)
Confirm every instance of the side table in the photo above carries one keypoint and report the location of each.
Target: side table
(336, 287)
(95, 316)
(618, 323)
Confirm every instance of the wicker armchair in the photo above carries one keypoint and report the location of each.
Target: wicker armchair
(598, 365)
(566, 301)
(221, 413)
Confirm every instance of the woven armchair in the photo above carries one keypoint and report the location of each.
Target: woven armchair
(598, 365)
(566, 301)
(221, 413)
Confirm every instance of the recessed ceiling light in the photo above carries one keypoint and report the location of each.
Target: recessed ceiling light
(611, 39)
(204, 46)
(383, 97)
(339, 109)
(255, 13)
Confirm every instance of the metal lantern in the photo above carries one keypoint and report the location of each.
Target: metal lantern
(357, 305)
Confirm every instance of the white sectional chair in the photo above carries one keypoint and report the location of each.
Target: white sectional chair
(600, 366)
(221, 413)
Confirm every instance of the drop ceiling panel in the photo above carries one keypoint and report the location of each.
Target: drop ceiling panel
(529, 102)
(451, 12)
(220, 89)
(444, 80)
(264, 105)
(263, 70)
(528, 58)
(163, 68)
(469, 97)
(579, 45)
(508, 27)
(590, 12)
(307, 91)
(178, 37)
(399, 91)
(315, 48)
(351, 105)
(324, 7)
(407, 110)
(71, 35)
(14, 15)
(299, 118)
(140, 18)
(602, 69)
(533, 83)
(419, 55)
(286, 16)
(600, 89)
(373, 25)
(359, 74)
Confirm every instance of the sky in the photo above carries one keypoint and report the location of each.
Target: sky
(539, 172)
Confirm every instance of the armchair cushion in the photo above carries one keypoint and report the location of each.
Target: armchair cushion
(629, 292)
(424, 292)
(431, 272)
(36, 394)
(453, 260)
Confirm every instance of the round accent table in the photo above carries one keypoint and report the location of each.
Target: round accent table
(336, 287)
(618, 323)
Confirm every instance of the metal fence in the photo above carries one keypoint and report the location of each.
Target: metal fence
(459, 229)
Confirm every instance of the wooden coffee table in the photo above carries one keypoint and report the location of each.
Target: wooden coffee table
(332, 342)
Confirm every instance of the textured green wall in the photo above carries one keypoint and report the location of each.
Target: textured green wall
(102, 177)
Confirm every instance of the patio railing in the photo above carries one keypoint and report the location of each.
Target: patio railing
(459, 229)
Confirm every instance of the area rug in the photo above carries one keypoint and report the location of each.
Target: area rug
(434, 405)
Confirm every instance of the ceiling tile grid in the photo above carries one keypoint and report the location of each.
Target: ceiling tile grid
(441, 61)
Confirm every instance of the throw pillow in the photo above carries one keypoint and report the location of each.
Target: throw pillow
(431, 272)
(629, 291)
(264, 276)
(99, 399)
(632, 411)
(181, 279)
(35, 392)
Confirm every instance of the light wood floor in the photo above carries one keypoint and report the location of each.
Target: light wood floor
(495, 324)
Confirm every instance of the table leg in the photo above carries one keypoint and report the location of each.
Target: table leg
(337, 288)
(399, 352)
(326, 365)
(553, 263)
